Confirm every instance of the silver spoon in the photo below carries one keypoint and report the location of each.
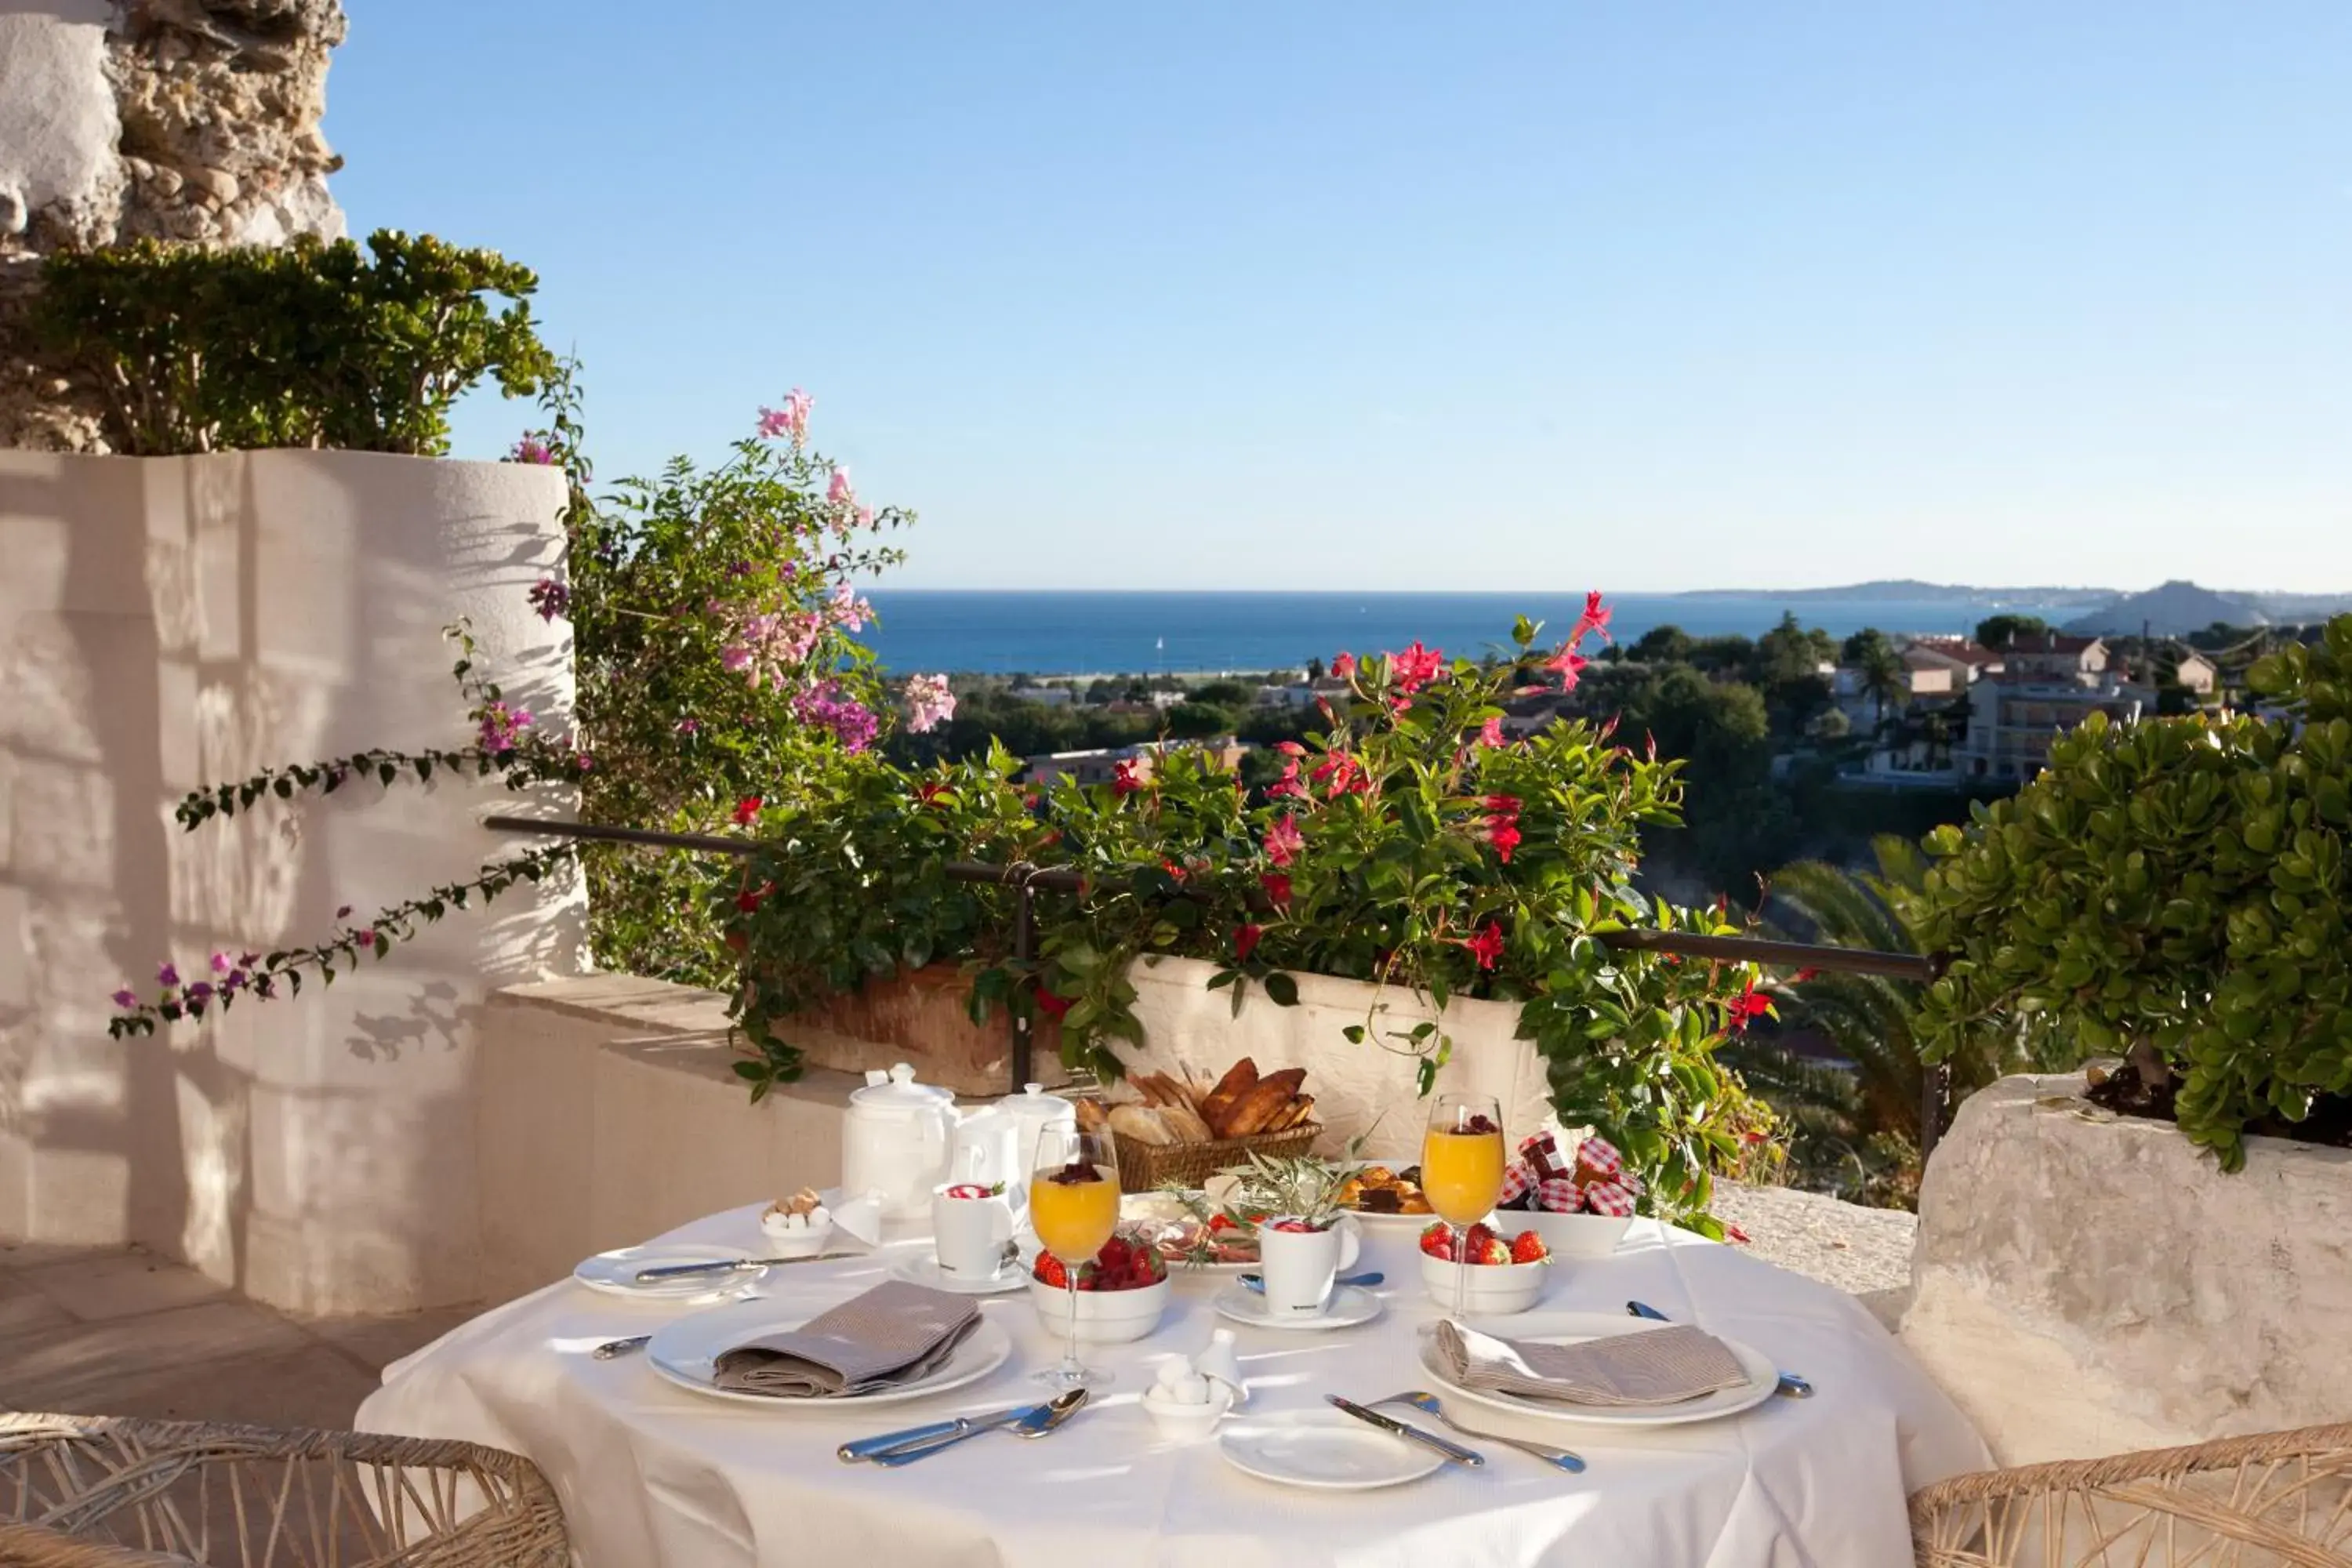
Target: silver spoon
(1427, 1404)
(1038, 1424)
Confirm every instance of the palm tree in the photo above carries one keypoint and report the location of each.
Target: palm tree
(1883, 676)
(1835, 1116)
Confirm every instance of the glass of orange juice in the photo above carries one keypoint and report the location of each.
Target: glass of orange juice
(1462, 1170)
(1074, 1207)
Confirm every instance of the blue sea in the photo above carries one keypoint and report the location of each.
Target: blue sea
(1084, 632)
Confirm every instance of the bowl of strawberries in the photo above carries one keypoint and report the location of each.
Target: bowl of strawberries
(1507, 1272)
(1120, 1297)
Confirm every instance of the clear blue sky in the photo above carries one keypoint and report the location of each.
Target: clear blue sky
(1375, 295)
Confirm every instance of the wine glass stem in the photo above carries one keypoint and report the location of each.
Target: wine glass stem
(1461, 1271)
(1071, 1367)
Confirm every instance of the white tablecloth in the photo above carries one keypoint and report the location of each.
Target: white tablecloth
(651, 1474)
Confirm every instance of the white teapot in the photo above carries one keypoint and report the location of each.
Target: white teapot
(895, 1141)
(1037, 1111)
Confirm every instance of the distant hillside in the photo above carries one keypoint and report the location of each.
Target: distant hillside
(2173, 609)
(1911, 590)
(2302, 607)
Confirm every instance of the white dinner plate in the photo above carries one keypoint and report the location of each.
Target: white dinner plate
(1324, 1451)
(1574, 1327)
(1416, 1222)
(923, 1268)
(1349, 1306)
(615, 1273)
(686, 1352)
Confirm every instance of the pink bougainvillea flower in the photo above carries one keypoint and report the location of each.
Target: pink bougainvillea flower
(1416, 667)
(865, 517)
(846, 610)
(747, 810)
(838, 491)
(126, 998)
(1124, 779)
(221, 964)
(689, 726)
(1283, 841)
(1571, 665)
(530, 449)
(1343, 665)
(551, 598)
(825, 706)
(200, 991)
(167, 975)
(1278, 888)
(930, 703)
(1486, 947)
(1245, 942)
(502, 728)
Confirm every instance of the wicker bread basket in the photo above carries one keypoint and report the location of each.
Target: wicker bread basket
(1148, 1167)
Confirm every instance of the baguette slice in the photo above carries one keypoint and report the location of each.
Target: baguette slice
(1294, 1114)
(1187, 1124)
(1217, 1109)
(1090, 1115)
(1142, 1123)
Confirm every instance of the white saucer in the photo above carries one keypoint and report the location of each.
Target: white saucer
(1322, 1449)
(615, 1273)
(1350, 1305)
(923, 1268)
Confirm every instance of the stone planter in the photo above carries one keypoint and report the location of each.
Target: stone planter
(919, 1017)
(2084, 1284)
(171, 622)
(1356, 1088)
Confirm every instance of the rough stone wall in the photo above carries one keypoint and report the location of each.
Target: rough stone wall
(194, 121)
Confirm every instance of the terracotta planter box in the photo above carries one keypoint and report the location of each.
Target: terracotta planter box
(918, 1017)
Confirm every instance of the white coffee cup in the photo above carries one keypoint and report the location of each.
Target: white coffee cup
(1297, 1267)
(969, 1235)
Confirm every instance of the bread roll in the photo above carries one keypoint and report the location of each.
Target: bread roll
(1090, 1115)
(1267, 1097)
(1294, 1114)
(1217, 1109)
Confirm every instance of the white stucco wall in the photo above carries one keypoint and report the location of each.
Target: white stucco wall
(168, 623)
(1358, 1089)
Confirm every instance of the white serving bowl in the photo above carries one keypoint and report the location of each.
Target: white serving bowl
(1572, 1235)
(1496, 1289)
(1105, 1316)
(786, 1243)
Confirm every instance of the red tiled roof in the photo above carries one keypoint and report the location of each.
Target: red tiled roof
(2050, 642)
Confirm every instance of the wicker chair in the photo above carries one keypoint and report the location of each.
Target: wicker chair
(2275, 1498)
(81, 1492)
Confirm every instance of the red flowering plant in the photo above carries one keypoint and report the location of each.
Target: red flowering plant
(1412, 845)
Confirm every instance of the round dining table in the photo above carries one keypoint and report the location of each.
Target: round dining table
(651, 1473)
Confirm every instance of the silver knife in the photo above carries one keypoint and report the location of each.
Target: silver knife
(1793, 1386)
(1429, 1441)
(732, 1265)
(868, 1447)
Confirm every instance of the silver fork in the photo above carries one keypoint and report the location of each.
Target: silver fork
(1421, 1399)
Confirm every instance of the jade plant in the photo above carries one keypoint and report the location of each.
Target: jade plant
(2177, 893)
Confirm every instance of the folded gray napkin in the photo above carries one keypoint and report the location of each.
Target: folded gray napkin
(1648, 1366)
(896, 1333)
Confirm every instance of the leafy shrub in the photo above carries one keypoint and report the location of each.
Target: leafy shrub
(308, 344)
(1410, 846)
(2175, 891)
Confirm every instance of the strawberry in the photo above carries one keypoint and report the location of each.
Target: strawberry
(1437, 1240)
(1478, 1238)
(1528, 1248)
(1049, 1271)
(1218, 1222)
(1497, 1250)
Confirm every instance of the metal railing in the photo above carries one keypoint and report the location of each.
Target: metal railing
(1027, 881)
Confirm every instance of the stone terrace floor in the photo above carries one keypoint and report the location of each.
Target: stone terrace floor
(119, 1332)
